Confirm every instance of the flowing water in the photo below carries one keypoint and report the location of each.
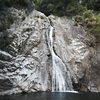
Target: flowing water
(53, 96)
(61, 81)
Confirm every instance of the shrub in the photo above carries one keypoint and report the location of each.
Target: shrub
(88, 14)
(92, 21)
(50, 7)
(75, 9)
(95, 30)
(92, 4)
(9, 3)
(23, 2)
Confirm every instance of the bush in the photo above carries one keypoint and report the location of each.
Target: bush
(9, 3)
(50, 7)
(96, 27)
(95, 30)
(23, 2)
(92, 21)
(88, 14)
(75, 9)
(92, 4)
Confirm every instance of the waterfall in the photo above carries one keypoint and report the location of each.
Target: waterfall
(61, 81)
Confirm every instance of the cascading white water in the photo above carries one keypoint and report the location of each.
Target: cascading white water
(61, 81)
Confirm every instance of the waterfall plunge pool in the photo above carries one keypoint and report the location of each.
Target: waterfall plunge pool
(52, 96)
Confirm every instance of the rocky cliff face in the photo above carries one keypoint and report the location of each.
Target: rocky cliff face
(26, 63)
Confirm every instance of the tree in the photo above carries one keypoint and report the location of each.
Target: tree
(10, 3)
(92, 4)
(53, 6)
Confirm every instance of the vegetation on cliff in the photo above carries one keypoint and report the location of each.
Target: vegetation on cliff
(86, 12)
(10, 3)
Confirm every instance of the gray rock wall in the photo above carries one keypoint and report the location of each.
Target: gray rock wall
(26, 64)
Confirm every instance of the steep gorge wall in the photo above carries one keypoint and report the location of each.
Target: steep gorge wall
(26, 64)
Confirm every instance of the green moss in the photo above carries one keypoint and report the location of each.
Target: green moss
(42, 17)
(36, 16)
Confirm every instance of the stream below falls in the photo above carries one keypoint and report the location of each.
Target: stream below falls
(52, 96)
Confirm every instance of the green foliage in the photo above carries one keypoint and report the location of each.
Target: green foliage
(84, 11)
(95, 30)
(98, 18)
(59, 7)
(75, 9)
(10, 3)
(66, 7)
(38, 1)
(50, 7)
(92, 21)
(92, 4)
(88, 14)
